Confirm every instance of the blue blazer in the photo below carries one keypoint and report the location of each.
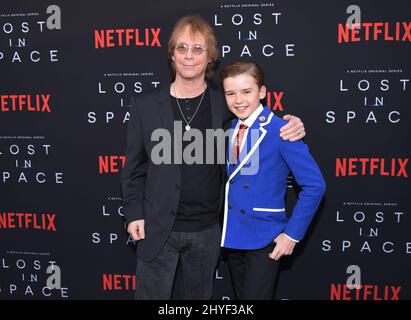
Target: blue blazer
(254, 212)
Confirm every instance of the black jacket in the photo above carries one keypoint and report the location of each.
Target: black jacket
(151, 191)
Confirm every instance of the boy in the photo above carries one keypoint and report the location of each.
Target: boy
(256, 230)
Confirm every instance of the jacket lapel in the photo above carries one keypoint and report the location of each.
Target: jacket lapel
(217, 105)
(165, 109)
(252, 141)
(230, 167)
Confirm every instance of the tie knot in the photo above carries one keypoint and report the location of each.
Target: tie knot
(243, 126)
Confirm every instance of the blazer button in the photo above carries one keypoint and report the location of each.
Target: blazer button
(173, 213)
(177, 186)
(230, 206)
(232, 181)
(242, 211)
(246, 185)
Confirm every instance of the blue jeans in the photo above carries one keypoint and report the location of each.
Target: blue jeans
(198, 254)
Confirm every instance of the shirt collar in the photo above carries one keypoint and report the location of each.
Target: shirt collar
(251, 119)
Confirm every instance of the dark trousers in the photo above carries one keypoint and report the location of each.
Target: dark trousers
(198, 254)
(253, 273)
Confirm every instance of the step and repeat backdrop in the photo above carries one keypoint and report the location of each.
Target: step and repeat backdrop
(68, 70)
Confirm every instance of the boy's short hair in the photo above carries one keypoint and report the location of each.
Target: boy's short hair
(240, 67)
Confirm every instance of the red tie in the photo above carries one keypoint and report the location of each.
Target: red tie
(235, 152)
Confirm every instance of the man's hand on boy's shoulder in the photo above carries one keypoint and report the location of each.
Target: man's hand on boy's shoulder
(294, 130)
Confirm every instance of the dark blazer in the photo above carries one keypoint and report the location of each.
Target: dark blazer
(151, 191)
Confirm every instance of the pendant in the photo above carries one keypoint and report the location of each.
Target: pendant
(188, 127)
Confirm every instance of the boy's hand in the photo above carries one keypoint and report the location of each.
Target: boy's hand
(284, 246)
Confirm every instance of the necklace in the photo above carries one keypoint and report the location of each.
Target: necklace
(187, 127)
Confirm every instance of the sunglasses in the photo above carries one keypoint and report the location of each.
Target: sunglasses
(196, 49)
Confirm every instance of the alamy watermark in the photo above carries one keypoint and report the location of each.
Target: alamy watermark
(208, 148)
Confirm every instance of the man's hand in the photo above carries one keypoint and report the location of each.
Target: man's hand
(136, 229)
(284, 246)
(293, 130)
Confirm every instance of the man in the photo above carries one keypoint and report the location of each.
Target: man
(173, 209)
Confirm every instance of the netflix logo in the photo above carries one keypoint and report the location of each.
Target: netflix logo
(274, 100)
(25, 102)
(364, 292)
(110, 164)
(374, 31)
(139, 37)
(117, 282)
(34, 221)
(395, 167)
